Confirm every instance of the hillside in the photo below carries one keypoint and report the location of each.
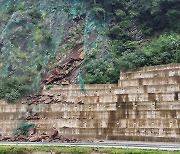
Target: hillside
(57, 41)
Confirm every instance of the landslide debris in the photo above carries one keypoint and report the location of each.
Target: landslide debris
(65, 70)
(29, 132)
(33, 136)
(45, 99)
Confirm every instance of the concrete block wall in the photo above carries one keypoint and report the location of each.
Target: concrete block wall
(150, 96)
(143, 106)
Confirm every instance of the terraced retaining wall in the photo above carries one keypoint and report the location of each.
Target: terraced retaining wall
(144, 106)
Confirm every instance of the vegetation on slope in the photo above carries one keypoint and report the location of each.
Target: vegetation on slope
(116, 35)
(31, 34)
(142, 33)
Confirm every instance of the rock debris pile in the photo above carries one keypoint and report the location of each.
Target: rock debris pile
(62, 73)
(44, 99)
(32, 136)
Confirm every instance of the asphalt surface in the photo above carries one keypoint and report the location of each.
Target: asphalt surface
(127, 145)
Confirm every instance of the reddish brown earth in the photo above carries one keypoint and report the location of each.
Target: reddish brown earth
(63, 72)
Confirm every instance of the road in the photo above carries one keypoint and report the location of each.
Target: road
(128, 144)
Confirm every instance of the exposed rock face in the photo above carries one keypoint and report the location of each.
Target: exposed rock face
(64, 71)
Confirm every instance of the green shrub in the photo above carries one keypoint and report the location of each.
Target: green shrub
(101, 71)
(13, 96)
(13, 88)
(42, 37)
(132, 60)
(178, 56)
(163, 50)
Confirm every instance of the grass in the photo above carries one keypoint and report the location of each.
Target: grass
(135, 151)
(78, 150)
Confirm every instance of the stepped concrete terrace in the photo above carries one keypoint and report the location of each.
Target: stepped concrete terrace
(143, 106)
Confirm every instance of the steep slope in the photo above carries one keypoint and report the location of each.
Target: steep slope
(37, 36)
(52, 42)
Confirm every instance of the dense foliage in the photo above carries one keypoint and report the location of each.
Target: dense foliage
(142, 33)
(13, 88)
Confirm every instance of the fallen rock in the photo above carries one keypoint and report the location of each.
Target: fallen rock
(32, 131)
(48, 101)
(13, 138)
(66, 67)
(53, 134)
(31, 116)
(5, 138)
(34, 139)
(44, 137)
(21, 138)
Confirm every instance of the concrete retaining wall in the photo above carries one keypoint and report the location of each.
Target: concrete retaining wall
(144, 106)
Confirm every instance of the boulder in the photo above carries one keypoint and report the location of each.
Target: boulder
(53, 133)
(34, 138)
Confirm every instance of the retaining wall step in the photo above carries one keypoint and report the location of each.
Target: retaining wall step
(149, 81)
(156, 68)
(147, 97)
(159, 132)
(152, 74)
(148, 89)
(87, 87)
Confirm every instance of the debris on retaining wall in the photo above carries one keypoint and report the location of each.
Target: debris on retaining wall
(144, 106)
(45, 99)
(32, 116)
(53, 136)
